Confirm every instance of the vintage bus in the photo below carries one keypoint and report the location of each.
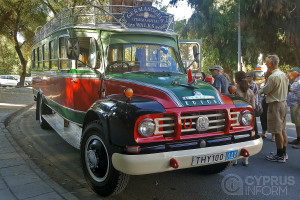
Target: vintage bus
(113, 85)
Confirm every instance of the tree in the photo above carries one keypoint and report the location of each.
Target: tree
(56, 6)
(9, 61)
(284, 17)
(21, 17)
(215, 24)
(268, 26)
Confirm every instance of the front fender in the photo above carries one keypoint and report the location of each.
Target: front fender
(118, 116)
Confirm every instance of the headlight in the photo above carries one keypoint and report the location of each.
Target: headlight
(146, 127)
(246, 118)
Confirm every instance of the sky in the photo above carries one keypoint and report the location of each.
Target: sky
(182, 11)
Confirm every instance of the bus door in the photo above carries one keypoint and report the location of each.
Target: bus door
(86, 80)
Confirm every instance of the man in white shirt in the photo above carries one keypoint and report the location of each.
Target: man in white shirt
(276, 89)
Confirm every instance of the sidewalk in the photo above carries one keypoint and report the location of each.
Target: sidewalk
(20, 178)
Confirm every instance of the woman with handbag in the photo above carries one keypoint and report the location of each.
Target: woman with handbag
(245, 92)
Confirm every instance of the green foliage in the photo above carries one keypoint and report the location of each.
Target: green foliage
(9, 62)
(267, 27)
(24, 18)
(285, 68)
(19, 18)
(56, 6)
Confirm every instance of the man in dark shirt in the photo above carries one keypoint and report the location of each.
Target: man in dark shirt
(221, 83)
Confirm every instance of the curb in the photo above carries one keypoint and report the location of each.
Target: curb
(12, 115)
(44, 177)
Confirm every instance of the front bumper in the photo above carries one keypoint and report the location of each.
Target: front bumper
(160, 162)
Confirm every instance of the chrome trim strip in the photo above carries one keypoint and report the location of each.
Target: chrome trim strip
(50, 73)
(240, 136)
(218, 140)
(207, 115)
(80, 125)
(183, 144)
(188, 130)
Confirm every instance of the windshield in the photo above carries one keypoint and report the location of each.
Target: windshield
(141, 58)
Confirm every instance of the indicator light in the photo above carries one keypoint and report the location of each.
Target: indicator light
(128, 93)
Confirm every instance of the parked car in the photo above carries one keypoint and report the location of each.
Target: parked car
(8, 80)
(28, 81)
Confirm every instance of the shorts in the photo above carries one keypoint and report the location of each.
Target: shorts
(276, 117)
(295, 115)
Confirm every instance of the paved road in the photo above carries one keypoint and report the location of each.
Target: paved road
(261, 179)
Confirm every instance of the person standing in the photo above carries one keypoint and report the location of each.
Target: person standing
(276, 89)
(251, 77)
(253, 87)
(293, 101)
(243, 90)
(221, 83)
(263, 116)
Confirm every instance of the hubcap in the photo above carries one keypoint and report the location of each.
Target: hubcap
(93, 160)
(96, 158)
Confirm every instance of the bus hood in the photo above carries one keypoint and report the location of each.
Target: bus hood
(177, 88)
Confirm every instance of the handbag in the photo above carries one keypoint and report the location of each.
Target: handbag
(258, 110)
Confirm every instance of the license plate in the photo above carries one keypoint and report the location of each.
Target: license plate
(214, 158)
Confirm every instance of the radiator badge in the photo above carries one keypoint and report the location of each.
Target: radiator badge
(198, 96)
(202, 123)
(203, 99)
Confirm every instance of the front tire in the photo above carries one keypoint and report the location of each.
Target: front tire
(215, 168)
(96, 162)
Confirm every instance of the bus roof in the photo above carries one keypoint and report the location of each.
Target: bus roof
(109, 17)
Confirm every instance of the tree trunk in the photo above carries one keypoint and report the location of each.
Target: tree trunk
(22, 60)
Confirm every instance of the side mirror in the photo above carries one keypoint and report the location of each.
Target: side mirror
(92, 60)
(73, 48)
(196, 54)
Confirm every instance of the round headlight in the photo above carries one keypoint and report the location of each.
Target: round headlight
(146, 127)
(246, 118)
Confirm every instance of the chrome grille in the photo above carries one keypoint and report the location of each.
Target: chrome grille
(164, 125)
(235, 118)
(216, 122)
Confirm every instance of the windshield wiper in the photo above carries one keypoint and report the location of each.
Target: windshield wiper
(184, 85)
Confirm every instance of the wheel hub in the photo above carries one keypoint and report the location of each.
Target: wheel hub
(93, 159)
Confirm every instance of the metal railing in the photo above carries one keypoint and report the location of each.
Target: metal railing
(106, 16)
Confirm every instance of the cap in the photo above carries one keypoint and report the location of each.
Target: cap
(296, 69)
(216, 67)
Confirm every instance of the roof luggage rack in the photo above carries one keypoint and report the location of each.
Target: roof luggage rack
(104, 16)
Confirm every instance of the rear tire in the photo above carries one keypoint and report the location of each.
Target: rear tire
(42, 109)
(215, 168)
(96, 162)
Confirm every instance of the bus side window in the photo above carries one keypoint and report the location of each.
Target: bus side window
(43, 57)
(38, 57)
(64, 62)
(53, 61)
(46, 56)
(85, 51)
(84, 43)
(33, 59)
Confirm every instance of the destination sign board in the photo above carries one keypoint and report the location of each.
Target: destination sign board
(145, 17)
